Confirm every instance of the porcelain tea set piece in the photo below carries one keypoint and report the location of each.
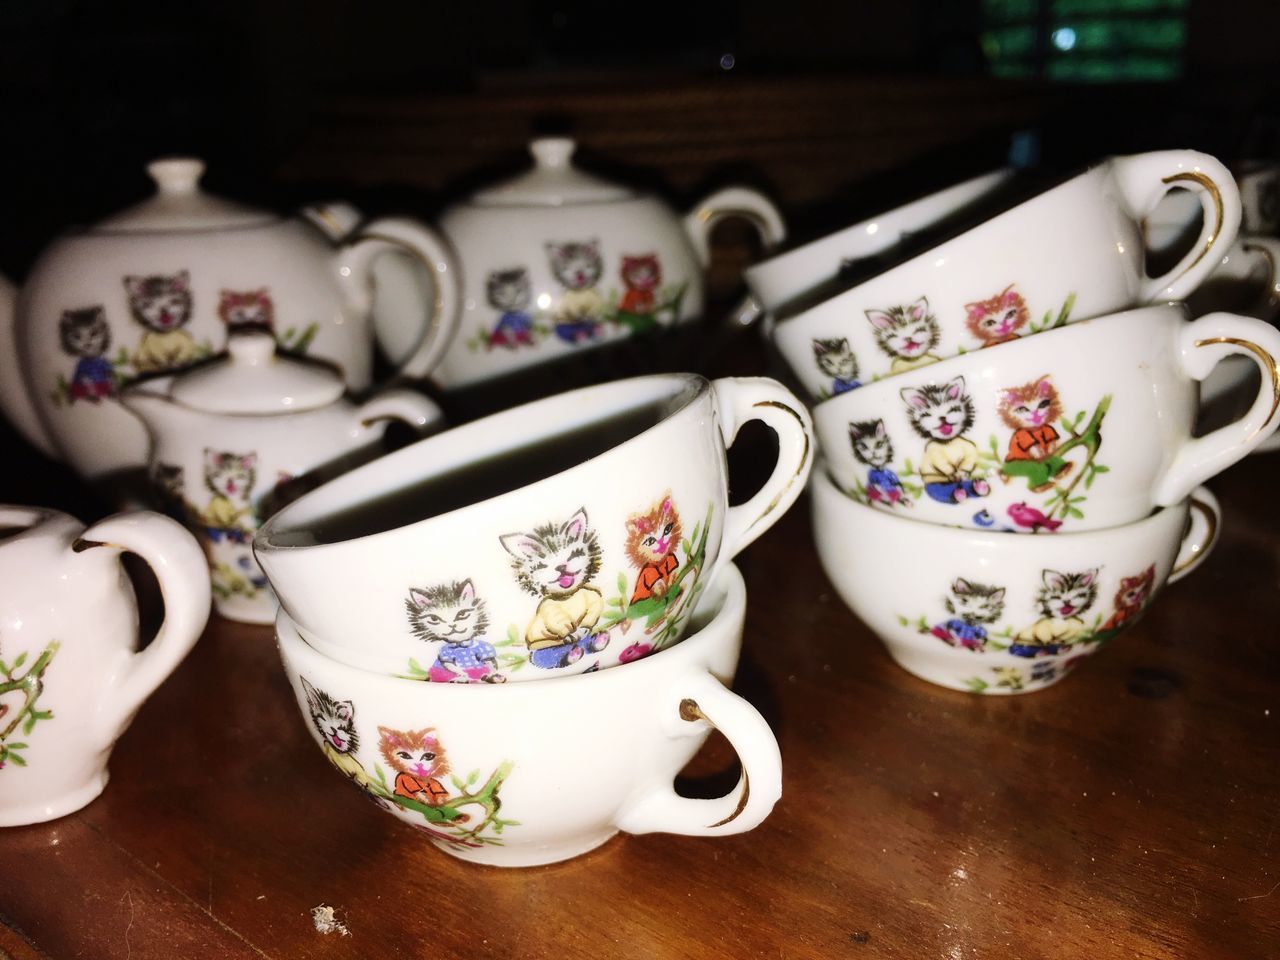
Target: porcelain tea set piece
(1070, 253)
(780, 279)
(993, 614)
(228, 437)
(492, 775)
(1085, 427)
(566, 535)
(1260, 192)
(71, 676)
(556, 260)
(156, 288)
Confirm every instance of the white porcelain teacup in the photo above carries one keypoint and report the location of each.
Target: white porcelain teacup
(992, 614)
(558, 537)
(1073, 252)
(540, 772)
(780, 279)
(71, 677)
(1085, 427)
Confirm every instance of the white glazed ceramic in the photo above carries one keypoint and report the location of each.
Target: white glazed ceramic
(993, 614)
(1085, 427)
(778, 280)
(194, 265)
(556, 260)
(1070, 253)
(71, 677)
(227, 437)
(588, 554)
(535, 773)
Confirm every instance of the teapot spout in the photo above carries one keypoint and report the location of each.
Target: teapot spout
(15, 391)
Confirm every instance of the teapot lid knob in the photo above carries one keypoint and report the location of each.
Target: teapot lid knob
(552, 151)
(176, 174)
(251, 347)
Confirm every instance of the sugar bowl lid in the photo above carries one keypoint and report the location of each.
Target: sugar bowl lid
(553, 182)
(179, 205)
(254, 379)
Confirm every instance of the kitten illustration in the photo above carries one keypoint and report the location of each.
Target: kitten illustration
(556, 563)
(247, 310)
(418, 758)
(907, 334)
(641, 276)
(509, 291)
(999, 319)
(652, 538)
(871, 446)
(1132, 596)
(230, 477)
(86, 336)
(836, 360)
(335, 721)
(1062, 598)
(973, 606)
(577, 266)
(452, 615)
(942, 414)
(162, 304)
(1030, 411)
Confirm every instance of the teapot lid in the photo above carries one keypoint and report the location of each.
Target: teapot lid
(180, 205)
(254, 378)
(553, 182)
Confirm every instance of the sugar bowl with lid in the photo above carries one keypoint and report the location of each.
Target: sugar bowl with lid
(230, 439)
(156, 288)
(556, 259)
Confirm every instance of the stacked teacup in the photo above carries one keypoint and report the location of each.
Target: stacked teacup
(514, 634)
(1009, 459)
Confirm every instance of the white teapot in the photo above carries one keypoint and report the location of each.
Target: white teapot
(556, 260)
(157, 287)
(227, 436)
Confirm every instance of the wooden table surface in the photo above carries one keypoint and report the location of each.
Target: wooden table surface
(1130, 811)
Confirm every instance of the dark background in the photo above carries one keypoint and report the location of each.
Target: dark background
(837, 110)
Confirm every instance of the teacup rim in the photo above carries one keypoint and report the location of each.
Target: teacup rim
(946, 245)
(831, 491)
(38, 517)
(728, 583)
(993, 178)
(266, 538)
(946, 368)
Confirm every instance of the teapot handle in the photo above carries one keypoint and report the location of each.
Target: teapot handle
(437, 257)
(15, 399)
(733, 202)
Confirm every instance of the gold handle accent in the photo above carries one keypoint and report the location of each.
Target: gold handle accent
(1212, 189)
(1211, 520)
(690, 711)
(1268, 361)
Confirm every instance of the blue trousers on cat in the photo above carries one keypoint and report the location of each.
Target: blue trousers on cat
(946, 492)
(549, 658)
(1036, 650)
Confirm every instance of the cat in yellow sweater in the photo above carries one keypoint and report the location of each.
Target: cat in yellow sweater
(943, 414)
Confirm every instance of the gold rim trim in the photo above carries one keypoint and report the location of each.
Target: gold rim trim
(706, 214)
(1266, 359)
(437, 289)
(804, 456)
(1211, 188)
(1211, 521)
(689, 710)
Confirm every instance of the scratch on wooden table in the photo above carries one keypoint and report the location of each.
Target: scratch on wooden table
(128, 949)
(1260, 896)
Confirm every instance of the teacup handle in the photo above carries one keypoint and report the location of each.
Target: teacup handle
(1201, 345)
(1145, 178)
(183, 574)
(743, 202)
(356, 261)
(742, 399)
(1201, 536)
(1266, 251)
(686, 709)
(407, 406)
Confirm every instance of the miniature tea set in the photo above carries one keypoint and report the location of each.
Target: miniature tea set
(1009, 414)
